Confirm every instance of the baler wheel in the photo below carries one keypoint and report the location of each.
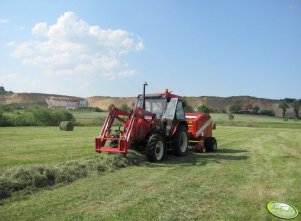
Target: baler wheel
(180, 141)
(155, 148)
(211, 144)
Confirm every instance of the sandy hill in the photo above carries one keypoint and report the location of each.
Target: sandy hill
(215, 103)
(103, 102)
(10, 98)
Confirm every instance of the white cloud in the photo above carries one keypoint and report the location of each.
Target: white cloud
(10, 44)
(39, 29)
(73, 47)
(140, 46)
(3, 21)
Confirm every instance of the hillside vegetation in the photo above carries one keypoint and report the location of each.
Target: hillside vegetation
(216, 104)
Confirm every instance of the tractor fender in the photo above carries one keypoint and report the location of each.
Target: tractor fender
(143, 128)
(177, 125)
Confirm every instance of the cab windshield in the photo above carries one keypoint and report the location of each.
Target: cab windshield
(156, 106)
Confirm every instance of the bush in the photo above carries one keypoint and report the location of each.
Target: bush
(267, 112)
(3, 120)
(47, 117)
(231, 117)
(38, 117)
(22, 120)
(188, 109)
(255, 109)
(97, 109)
(203, 109)
(66, 126)
(60, 115)
(124, 107)
(235, 108)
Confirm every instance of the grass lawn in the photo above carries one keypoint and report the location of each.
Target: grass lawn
(44, 145)
(87, 117)
(247, 120)
(251, 167)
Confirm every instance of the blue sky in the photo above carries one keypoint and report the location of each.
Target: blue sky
(110, 48)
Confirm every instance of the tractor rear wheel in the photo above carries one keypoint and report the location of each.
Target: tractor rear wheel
(155, 148)
(180, 141)
(211, 144)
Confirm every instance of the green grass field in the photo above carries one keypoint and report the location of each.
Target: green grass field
(247, 120)
(251, 167)
(86, 117)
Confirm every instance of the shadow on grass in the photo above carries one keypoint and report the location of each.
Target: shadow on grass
(202, 159)
(231, 151)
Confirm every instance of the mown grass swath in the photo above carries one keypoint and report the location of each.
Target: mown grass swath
(40, 176)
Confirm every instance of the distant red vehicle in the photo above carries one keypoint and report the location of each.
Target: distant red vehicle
(158, 124)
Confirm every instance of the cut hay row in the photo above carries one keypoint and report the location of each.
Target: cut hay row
(35, 177)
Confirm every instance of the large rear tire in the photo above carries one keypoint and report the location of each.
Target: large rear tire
(155, 148)
(180, 141)
(211, 144)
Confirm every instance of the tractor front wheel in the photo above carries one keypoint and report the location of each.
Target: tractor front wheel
(155, 148)
(180, 141)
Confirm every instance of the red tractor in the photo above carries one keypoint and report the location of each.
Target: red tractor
(158, 124)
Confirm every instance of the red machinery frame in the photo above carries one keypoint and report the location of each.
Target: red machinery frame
(140, 118)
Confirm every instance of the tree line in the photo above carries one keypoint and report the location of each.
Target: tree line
(36, 117)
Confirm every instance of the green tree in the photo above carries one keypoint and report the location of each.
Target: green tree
(189, 109)
(124, 107)
(235, 108)
(296, 106)
(256, 109)
(97, 109)
(2, 90)
(3, 119)
(283, 105)
(203, 109)
(42, 116)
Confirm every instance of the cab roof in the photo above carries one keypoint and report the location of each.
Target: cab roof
(165, 94)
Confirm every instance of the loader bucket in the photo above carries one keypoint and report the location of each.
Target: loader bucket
(120, 148)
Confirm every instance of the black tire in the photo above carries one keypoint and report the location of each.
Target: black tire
(180, 141)
(211, 144)
(155, 148)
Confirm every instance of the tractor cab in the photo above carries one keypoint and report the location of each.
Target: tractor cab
(165, 105)
(153, 103)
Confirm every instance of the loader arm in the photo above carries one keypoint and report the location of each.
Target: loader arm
(126, 137)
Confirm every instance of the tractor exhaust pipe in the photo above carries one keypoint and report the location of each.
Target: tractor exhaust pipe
(143, 104)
